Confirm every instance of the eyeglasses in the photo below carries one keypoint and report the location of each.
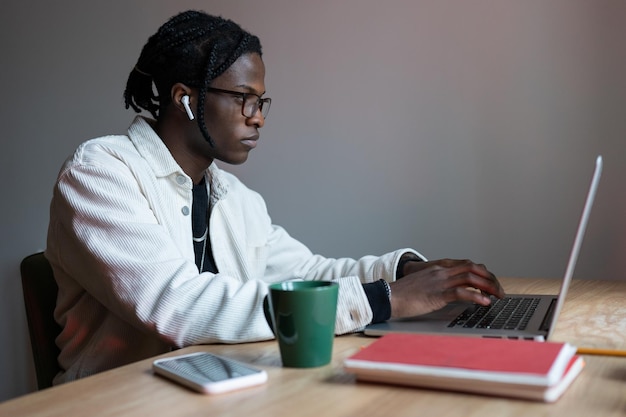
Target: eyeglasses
(250, 102)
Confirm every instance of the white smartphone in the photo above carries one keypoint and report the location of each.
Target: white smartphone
(208, 373)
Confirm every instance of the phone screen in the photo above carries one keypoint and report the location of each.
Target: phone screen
(209, 367)
(209, 373)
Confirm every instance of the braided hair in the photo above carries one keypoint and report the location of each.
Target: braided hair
(192, 48)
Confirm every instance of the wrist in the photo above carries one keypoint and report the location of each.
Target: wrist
(404, 260)
(378, 299)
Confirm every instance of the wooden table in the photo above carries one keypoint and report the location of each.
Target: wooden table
(594, 315)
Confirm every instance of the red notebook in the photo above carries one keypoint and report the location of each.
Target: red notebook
(502, 367)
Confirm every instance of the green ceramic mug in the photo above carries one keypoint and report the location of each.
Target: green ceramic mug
(302, 316)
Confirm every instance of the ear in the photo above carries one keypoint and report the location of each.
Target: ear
(178, 91)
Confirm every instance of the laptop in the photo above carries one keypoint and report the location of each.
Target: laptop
(517, 316)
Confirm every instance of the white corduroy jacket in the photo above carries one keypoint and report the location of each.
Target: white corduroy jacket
(120, 244)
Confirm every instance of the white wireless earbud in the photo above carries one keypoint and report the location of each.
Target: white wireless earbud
(185, 101)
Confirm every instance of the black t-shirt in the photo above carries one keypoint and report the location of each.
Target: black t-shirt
(200, 229)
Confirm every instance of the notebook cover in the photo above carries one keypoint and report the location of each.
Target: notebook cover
(490, 388)
(498, 366)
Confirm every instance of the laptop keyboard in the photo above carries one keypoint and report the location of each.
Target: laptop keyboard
(505, 313)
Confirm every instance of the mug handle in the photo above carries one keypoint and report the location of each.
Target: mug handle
(268, 314)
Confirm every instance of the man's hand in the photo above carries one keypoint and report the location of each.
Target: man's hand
(429, 286)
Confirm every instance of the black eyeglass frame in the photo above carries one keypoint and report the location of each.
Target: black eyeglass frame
(261, 103)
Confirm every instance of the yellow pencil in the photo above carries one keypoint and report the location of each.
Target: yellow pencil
(597, 351)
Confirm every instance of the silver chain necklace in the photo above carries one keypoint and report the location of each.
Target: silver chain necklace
(205, 236)
(203, 239)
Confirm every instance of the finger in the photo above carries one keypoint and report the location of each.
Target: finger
(459, 266)
(465, 294)
(497, 289)
(486, 285)
(482, 271)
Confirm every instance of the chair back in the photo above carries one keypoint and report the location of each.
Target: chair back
(40, 295)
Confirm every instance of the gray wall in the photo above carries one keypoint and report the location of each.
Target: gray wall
(464, 129)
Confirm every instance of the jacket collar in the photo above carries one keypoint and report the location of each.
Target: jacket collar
(153, 150)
